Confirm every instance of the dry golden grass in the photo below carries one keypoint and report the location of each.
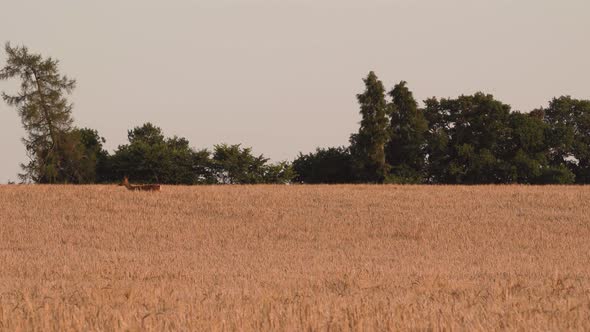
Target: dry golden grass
(295, 258)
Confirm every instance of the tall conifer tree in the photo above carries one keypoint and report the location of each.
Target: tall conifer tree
(408, 126)
(45, 114)
(368, 146)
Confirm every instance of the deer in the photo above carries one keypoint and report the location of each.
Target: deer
(140, 187)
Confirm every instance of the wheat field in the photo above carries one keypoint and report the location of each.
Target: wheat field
(294, 258)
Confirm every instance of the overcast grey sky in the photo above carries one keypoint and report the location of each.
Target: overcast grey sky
(282, 75)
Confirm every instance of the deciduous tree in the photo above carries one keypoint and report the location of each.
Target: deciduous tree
(569, 122)
(331, 165)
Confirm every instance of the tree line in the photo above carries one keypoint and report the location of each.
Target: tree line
(471, 139)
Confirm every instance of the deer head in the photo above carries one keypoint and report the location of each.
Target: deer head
(125, 182)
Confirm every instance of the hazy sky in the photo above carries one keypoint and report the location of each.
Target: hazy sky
(282, 75)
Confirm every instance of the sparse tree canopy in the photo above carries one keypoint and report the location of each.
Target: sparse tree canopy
(236, 165)
(45, 114)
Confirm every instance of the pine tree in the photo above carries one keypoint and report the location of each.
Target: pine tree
(408, 126)
(368, 146)
(45, 114)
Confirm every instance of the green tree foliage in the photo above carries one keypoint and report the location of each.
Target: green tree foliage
(406, 150)
(437, 141)
(278, 173)
(151, 158)
(93, 158)
(233, 164)
(466, 136)
(524, 148)
(148, 134)
(476, 139)
(569, 122)
(527, 155)
(332, 165)
(368, 145)
(472, 139)
(46, 116)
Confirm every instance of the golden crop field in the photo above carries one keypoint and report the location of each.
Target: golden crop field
(295, 258)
